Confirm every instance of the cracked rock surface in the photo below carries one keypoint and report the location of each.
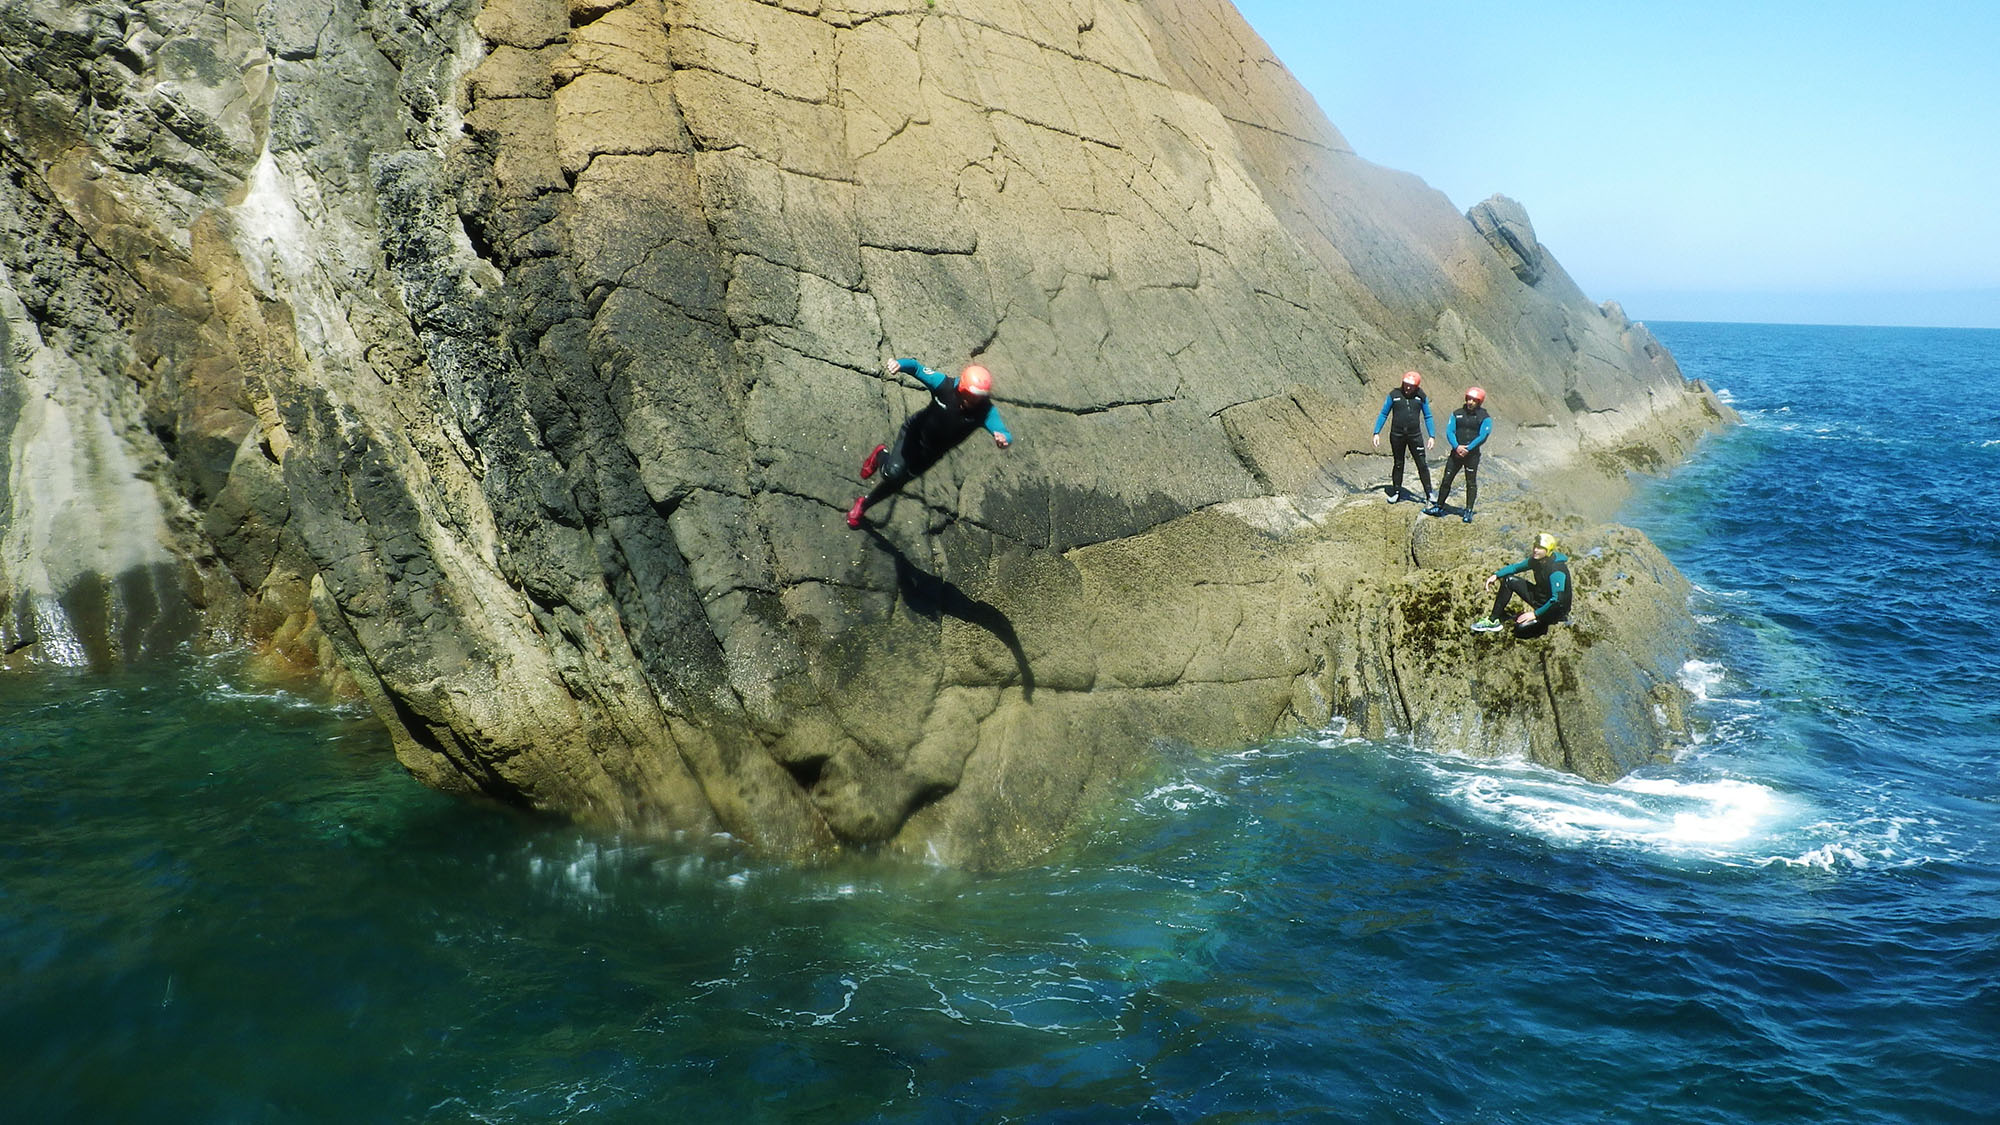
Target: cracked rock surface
(510, 363)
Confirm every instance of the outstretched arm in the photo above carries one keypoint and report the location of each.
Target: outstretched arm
(1002, 436)
(924, 375)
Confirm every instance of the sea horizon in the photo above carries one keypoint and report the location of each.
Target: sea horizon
(1977, 309)
(1827, 324)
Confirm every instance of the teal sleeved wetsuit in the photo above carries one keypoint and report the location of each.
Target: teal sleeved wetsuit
(1468, 428)
(1549, 593)
(1408, 410)
(932, 431)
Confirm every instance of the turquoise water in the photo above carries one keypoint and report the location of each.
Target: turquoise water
(219, 903)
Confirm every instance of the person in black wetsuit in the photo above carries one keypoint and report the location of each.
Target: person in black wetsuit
(1465, 431)
(1412, 411)
(1547, 597)
(957, 407)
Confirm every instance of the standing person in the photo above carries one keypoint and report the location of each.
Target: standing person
(1465, 431)
(1547, 597)
(957, 407)
(1409, 405)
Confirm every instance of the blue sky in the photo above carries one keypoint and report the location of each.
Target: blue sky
(1836, 162)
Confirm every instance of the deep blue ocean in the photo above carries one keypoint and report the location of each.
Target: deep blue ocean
(221, 903)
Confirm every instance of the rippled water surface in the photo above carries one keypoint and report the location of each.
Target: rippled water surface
(223, 904)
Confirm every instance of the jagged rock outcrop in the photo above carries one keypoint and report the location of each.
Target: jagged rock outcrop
(512, 361)
(1505, 226)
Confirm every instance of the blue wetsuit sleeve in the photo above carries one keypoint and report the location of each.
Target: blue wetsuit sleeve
(1507, 571)
(1384, 416)
(1558, 582)
(1485, 427)
(997, 426)
(929, 378)
(1428, 431)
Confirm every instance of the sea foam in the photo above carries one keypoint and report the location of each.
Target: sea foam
(1719, 818)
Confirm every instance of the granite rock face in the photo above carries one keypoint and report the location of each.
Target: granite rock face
(510, 364)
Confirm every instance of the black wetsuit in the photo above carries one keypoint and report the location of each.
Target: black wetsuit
(1410, 425)
(1469, 428)
(1548, 594)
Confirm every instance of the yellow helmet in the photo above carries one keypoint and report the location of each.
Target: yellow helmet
(1548, 542)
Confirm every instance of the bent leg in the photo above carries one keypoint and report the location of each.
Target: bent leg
(899, 467)
(894, 465)
(1511, 587)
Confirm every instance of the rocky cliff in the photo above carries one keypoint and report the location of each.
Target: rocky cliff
(510, 364)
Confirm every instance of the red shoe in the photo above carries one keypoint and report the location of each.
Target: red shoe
(868, 466)
(854, 513)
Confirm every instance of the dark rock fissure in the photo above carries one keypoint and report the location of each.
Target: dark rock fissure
(1555, 715)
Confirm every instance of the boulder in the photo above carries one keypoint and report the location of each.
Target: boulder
(1505, 226)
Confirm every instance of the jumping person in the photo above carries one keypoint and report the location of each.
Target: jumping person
(1466, 430)
(1547, 597)
(957, 407)
(1410, 405)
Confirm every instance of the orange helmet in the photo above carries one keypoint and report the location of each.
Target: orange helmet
(1412, 379)
(975, 380)
(1476, 394)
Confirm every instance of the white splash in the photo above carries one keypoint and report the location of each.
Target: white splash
(59, 643)
(1729, 821)
(1180, 796)
(1719, 818)
(1705, 813)
(1700, 678)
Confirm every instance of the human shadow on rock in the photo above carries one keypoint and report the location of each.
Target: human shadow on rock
(931, 597)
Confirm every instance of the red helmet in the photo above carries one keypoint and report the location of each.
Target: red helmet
(1412, 379)
(1476, 394)
(975, 380)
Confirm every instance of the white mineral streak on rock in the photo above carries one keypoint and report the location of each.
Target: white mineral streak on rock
(77, 507)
